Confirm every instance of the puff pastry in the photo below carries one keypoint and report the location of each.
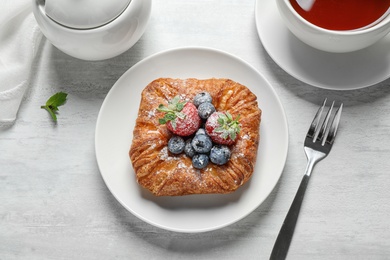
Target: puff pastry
(165, 174)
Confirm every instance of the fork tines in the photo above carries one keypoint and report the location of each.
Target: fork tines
(320, 129)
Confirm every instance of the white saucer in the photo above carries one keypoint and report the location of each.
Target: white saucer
(318, 68)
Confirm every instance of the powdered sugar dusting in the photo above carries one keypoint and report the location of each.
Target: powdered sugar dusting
(246, 137)
(181, 165)
(153, 132)
(151, 114)
(237, 155)
(184, 97)
(164, 154)
(213, 122)
(208, 169)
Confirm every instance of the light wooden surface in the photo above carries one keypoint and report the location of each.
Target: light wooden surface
(55, 205)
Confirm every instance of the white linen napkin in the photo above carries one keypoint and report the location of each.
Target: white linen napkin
(19, 40)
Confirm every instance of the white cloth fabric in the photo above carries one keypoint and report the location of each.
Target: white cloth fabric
(19, 40)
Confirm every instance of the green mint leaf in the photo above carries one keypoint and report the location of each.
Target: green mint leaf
(53, 108)
(53, 103)
(51, 112)
(57, 100)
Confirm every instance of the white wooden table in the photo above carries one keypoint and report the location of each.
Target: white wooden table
(55, 205)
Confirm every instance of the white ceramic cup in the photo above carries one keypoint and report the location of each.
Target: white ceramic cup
(330, 40)
(98, 43)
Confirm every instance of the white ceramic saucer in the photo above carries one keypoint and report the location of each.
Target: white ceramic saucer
(197, 213)
(345, 71)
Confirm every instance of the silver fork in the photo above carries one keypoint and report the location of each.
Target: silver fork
(318, 143)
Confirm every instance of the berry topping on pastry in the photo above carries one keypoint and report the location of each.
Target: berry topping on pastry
(202, 97)
(200, 131)
(192, 144)
(181, 118)
(176, 144)
(220, 154)
(201, 143)
(205, 110)
(200, 161)
(188, 149)
(222, 128)
(209, 141)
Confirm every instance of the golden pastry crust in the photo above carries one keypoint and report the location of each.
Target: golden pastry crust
(165, 174)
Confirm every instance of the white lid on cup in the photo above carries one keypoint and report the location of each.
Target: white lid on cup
(84, 14)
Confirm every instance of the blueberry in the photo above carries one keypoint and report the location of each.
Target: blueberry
(202, 143)
(199, 161)
(220, 154)
(188, 149)
(201, 98)
(200, 131)
(176, 144)
(205, 110)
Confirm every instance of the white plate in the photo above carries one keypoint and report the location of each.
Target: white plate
(318, 68)
(195, 213)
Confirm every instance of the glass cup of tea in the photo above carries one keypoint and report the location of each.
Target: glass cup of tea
(336, 26)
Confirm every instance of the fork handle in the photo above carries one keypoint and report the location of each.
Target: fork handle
(286, 232)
